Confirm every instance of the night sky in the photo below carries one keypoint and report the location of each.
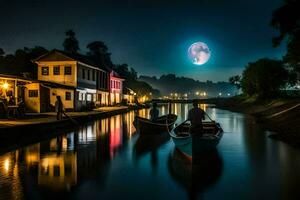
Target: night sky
(150, 36)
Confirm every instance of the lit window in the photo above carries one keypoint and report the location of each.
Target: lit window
(56, 70)
(89, 97)
(33, 93)
(68, 70)
(45, 70)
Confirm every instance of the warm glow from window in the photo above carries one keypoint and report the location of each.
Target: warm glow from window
(6, 164)
(5, 86)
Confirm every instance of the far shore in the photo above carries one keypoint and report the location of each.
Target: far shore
(280, 116)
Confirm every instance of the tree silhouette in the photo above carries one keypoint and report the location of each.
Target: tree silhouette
(286, 20)
(71, 44)
(98, 51)
(235, 80)
(2, 52)
(264, 78)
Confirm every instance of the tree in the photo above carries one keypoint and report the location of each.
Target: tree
(1, 52)
(286, 20)
(98, 51)
(71, 44)
(264, 78)
(235, 80)
(21, 61)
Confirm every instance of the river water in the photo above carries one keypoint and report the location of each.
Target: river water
(107, 159)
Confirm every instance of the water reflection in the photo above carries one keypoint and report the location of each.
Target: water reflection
(195, 178)
(107, 159)
(149, 144)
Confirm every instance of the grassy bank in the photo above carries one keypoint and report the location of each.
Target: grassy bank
(281, 116)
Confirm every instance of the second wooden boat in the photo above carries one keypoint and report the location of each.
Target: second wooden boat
(162, 124)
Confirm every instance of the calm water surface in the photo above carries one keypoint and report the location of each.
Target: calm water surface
(106, 159)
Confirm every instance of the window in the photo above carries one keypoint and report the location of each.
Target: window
(56, 70)
(88, 74)
(83, 74)
(33, 93)
(45, 70)
(68, 70)
(94, 75)
(68, 96)
(89, 97)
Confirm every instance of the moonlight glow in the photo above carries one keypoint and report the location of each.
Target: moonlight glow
(199, 53)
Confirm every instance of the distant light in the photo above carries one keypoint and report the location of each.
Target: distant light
(220, 94)
(6, 165)
(197, 93)
(5, 86)
(204, 93)
(228, 94)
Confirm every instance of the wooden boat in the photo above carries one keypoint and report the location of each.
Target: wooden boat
(162, 124)
(190, 145)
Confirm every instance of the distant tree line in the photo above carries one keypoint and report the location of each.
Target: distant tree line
(268, 77)
(20, 63)
(170, 83)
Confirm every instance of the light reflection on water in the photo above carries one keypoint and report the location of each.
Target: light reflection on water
(107, 159)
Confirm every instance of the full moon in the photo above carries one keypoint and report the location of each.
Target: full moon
(199, 53)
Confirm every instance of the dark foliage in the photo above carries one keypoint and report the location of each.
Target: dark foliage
(21, 63)
(98, 51)
(264, 78)
(130, 75)
(235, 80)
(286, 20)
(71, 44)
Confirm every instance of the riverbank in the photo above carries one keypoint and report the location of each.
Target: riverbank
(39, 126)
(281, 116)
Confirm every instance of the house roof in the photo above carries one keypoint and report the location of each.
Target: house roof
(7, 76)
(55, 85)
(116, 75)
(58, 55)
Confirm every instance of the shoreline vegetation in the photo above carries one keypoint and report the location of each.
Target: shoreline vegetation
(281, 116)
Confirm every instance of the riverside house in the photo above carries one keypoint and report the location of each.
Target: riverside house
(77, 79)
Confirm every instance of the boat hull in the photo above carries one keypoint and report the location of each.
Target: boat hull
(164, 124)
(191, 146)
